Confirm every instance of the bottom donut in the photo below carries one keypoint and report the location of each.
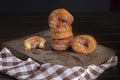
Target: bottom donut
(61, 44)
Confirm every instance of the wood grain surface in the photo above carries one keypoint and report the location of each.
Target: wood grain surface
(67, 58)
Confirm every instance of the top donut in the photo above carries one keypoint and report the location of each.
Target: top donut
(60, 16)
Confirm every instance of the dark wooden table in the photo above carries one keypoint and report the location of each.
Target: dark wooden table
(104, 26)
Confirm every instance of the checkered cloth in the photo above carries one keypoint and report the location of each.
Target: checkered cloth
(31, 70)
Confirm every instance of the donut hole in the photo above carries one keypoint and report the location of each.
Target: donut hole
(83, 42)
(61, 23)
(61, 20)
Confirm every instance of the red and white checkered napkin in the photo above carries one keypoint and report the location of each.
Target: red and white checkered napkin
(31, 70)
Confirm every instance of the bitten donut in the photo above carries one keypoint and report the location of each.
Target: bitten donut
(34, 42)
(59, 16)
(84, 44)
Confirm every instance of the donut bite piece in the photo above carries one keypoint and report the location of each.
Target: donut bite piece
(34, 42)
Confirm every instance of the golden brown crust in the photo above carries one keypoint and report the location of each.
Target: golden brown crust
(59, 15)
(84, 44)
(62, 35)
(65, 28)
(62, 41)
(59, 46)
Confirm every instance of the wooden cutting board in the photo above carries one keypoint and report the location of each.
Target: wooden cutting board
(67, 58)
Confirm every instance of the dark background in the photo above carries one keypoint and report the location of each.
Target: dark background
(33, 6)
(37, 6)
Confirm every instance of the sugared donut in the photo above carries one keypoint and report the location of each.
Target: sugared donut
(61, 35)
(84, 44)
(65, 28)
(60, 21)
(63, 43)
(60, 15)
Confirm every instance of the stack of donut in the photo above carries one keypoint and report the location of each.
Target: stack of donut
(60, 21)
